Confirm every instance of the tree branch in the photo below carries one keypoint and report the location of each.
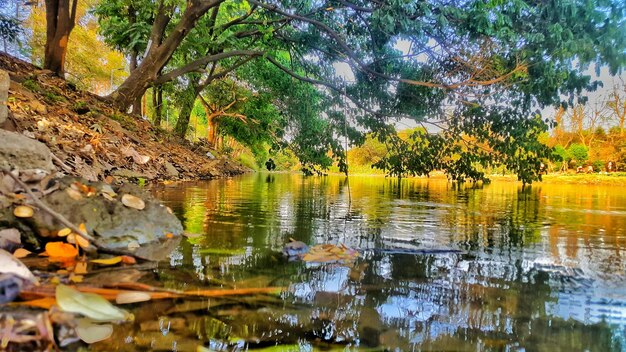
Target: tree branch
(201, 63)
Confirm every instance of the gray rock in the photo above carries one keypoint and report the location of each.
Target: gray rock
(113, 224)
(5, 82)
(171, 170)
(22, 153)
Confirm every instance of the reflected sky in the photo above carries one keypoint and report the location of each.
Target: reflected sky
(539, 268)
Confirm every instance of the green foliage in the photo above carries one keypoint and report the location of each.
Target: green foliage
(10, 28)
(578, 153)
(471, 73)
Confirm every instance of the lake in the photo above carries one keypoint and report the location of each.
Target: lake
(440, 267)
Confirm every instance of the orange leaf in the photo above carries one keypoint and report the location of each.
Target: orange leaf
(61, 249)
(126, 259)
(45, 303)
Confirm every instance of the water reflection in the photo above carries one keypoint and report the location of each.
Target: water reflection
(540, 268)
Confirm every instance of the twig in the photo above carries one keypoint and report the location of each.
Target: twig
(61, 163)
(49, 210)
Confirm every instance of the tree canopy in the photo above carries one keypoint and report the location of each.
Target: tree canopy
(473, 74)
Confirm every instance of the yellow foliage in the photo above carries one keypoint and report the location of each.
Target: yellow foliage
(89, 62)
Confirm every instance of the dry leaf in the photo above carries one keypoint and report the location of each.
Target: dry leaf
(21, 253)
(92, 333)
(76, 278)
(64, 232)
(108, 261)
(78, 239)
(126, 259)
(45, 303)
(61, 249)
(74, 194)
(138, 158)
(133, 202)
(132, 297)
(23, 211)
(80, 268)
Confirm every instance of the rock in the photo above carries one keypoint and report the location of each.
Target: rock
(112, 223)
(171, 170)
(22, 153)
(5, 83)
(210, 155)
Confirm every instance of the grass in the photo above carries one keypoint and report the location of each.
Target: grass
(616, 178)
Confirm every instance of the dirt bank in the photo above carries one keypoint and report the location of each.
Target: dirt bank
(90, 139)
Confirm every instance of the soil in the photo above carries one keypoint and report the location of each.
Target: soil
(90, 139)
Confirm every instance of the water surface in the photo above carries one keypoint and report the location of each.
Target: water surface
(534, 269)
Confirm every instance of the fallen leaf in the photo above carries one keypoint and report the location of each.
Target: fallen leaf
(138, 158)
(106, 189)
(76, 278)
(74, 194)
(78, 239)
(80, 268)
(108, 261)
(325, 253)
(133, 202)
(61, 249)
(90, 305)
(92, 333)
(132, 297)
(21, 253)
(169, 235)
(11, 265)
(23, 211)
(126, 259)
(45, 303)
(64, 232)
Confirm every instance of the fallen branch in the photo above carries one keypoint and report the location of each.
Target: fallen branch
(35, 293)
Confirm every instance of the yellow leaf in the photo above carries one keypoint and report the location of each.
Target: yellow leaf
(108, 261)
(21, 253)
(80, 268)
(64, 232)
(23, 211)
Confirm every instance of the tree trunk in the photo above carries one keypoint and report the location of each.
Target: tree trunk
(212, 124)
(183, 119)
(60, 20)
(158, 55)
(157, 103)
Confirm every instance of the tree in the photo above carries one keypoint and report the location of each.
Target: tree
(471, 71)
(86, 69)
(617, 104)
(60, 20)
(578, 152)
(9, 29)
